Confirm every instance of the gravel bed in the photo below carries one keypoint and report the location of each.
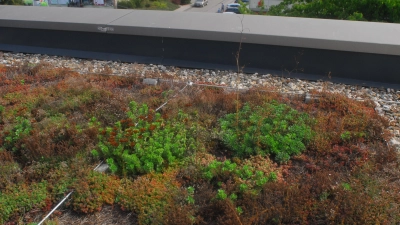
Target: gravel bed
(386, 99)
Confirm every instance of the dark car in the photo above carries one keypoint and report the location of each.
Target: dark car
(232, 10)
(233, 5)
(75, 3)
(244, 1)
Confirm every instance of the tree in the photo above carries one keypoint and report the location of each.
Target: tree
(369, 10)
(11, 2)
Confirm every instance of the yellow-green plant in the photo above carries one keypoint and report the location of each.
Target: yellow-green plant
(144, 143)
(273, 128)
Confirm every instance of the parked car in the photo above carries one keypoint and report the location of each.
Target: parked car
(236, 6)
(244, 1)
(232, 10)
(200, 3)
(233, 5)
(75, 3)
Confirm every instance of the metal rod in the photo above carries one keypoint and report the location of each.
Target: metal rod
(65, 198)
(58, 205)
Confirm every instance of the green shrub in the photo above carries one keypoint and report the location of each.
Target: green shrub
(130, 4)
(371, 10)
(160, 5)
(243, 8)
(11, 2)
(273, 128)
(125, 5)
(149, 145)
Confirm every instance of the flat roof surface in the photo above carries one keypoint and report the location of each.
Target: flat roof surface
(367, 37)
(58, 18)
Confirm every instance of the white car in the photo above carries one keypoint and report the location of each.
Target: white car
(200, 3)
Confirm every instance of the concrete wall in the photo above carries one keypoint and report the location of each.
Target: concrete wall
(343, 51)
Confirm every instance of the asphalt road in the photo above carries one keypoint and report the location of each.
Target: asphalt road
(214, 5)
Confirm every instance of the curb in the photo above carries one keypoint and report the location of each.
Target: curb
(183, 8)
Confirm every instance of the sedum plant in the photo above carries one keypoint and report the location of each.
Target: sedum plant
(245, 175)
(144, 143)
(21, 129)
(271, 129)
(19, 199)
